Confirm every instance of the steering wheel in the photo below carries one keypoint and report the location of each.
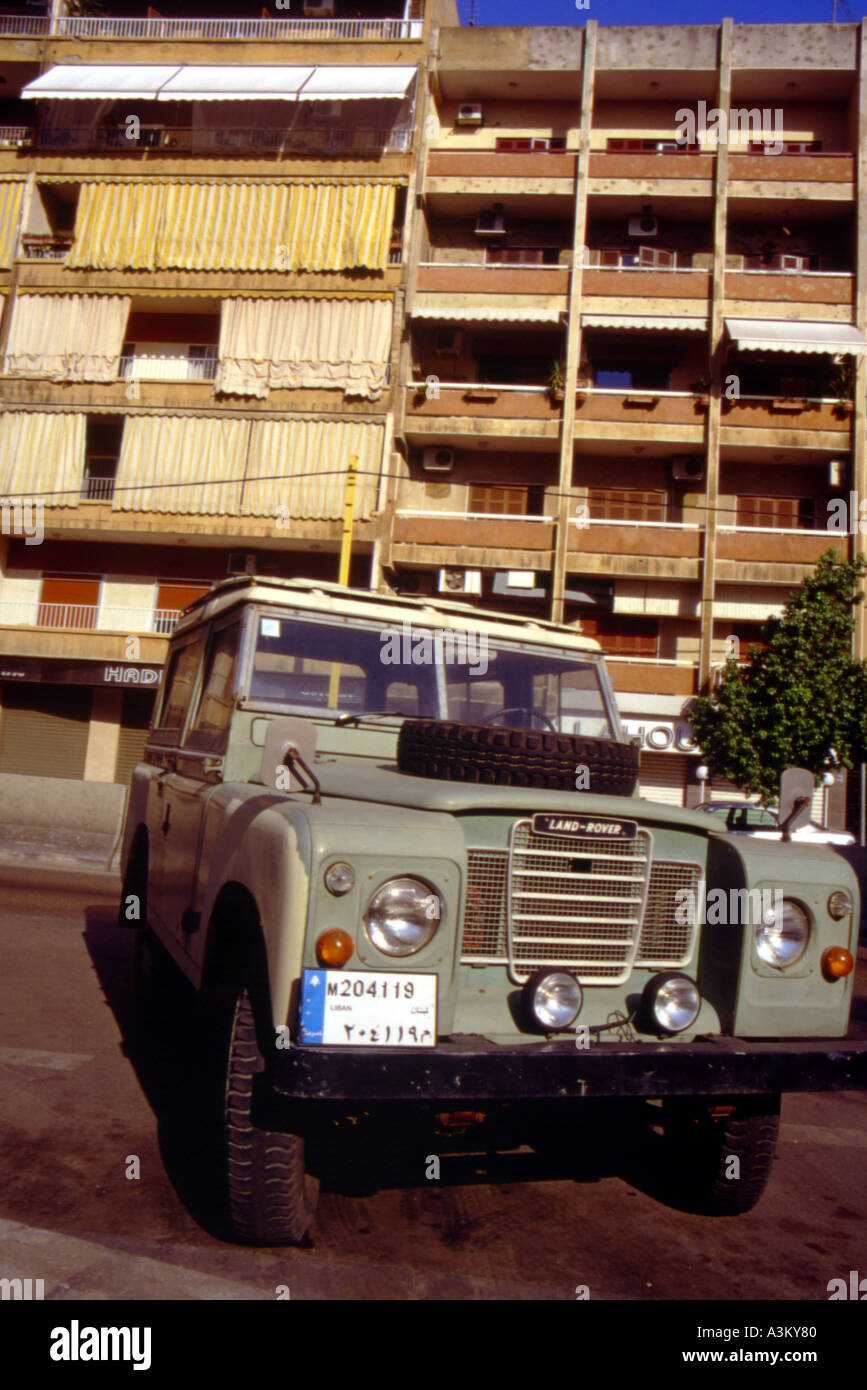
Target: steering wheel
(521, 709)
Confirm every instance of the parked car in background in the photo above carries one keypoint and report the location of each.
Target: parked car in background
(743, 818)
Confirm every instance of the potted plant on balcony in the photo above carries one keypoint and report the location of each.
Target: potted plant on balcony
(483, 391)
(841, 382)
(556, 381)
(701, 389)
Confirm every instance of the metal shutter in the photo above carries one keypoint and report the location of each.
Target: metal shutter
(662, 777)
(718, 789)
(134, 720)
(43, 729)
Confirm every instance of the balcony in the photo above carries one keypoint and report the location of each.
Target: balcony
(747, 287)
(639, 549)
(647, 675)
(480, 278)
(474, 173)
(23, 26)
(467, 410)
(605, 412)
(45, 248)
(772, 554)
(87, 617)
(680, 290)
(15, 137)
(143, 367)
(644, 173)
(241, 140)
(792, 176)
(781, 421)
(475, 539)
(268, 30)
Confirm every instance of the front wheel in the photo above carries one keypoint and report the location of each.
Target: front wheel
(722, 1149)
(269, 1198)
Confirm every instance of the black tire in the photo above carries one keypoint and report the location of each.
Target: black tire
(702, 1138)
(269, 1199)
(484, 753)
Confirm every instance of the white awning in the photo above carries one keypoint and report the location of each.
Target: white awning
(96, 81)
(358, 84)
(664, 322)
(454, 313)
(786, 335)
(248, 83)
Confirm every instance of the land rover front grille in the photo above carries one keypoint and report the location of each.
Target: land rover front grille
(576, 903)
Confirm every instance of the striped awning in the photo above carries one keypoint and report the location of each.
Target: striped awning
(11, 192)
(98, 81)
(150, 225)
(297, 468)
(673, 323)
(789, 335)
(42, 456)
(456, 313)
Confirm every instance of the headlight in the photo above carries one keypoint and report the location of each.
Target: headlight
(402, 916)
(840, 905)
(670, 1003)
(553, 999)
(339, 878)
(782, 934)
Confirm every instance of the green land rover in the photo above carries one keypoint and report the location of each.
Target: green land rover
(394, 847)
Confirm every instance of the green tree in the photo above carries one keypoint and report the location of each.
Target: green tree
(802, 700)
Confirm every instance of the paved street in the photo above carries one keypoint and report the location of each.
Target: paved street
(74, 1110)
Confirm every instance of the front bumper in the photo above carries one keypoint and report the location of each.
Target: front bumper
(469, 1068)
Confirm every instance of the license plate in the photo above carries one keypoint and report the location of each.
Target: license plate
(354, 1008)
(585, 827)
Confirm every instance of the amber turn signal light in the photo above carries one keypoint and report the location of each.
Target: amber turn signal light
(837, 962)
(334, 947)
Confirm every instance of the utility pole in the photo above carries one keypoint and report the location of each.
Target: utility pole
(345, 557)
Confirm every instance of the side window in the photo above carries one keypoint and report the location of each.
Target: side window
(179, 684)
(211, 727)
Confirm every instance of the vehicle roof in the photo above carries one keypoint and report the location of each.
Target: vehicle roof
(317, 596)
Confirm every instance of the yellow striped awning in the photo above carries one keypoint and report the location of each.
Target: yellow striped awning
(241, 226)
(188, 465)
(42, 456)
(297, 468)
(11, 193)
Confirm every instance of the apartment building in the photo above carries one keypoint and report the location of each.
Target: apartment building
(635, 341)
(586, 305)
(202, 264)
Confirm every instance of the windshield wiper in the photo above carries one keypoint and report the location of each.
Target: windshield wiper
(373, 714)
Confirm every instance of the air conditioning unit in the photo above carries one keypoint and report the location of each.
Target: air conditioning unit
(687, 468)
(469, 113)
(438, 460)
(419, 582)
(642, 224)
(448, 342)
(241, 562)
(460, 581)
(490, 222)
(836, 472)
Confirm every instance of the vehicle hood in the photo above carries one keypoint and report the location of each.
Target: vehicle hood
(384, 783)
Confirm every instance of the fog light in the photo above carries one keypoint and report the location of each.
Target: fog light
(670, 1003)
(840, 905)
(334, 947)
(553, 999)
(837, 963)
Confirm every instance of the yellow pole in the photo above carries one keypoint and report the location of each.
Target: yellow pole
(345, 557)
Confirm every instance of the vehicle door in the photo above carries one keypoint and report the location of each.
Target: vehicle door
(196, 776)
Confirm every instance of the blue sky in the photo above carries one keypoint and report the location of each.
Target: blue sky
(661, 12)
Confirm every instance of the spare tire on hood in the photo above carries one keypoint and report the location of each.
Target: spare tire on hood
(507, 757)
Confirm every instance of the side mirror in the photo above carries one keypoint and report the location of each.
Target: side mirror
(796, 798)
(286, 735)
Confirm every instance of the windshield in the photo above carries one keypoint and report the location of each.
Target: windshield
(348, 668)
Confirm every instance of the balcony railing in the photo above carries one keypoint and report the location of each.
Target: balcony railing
(97, 489)
(185, 140)
(45, 248)
(13, 137)
(23, 26)
(145, 368)
(84, 617)
(81, 27)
